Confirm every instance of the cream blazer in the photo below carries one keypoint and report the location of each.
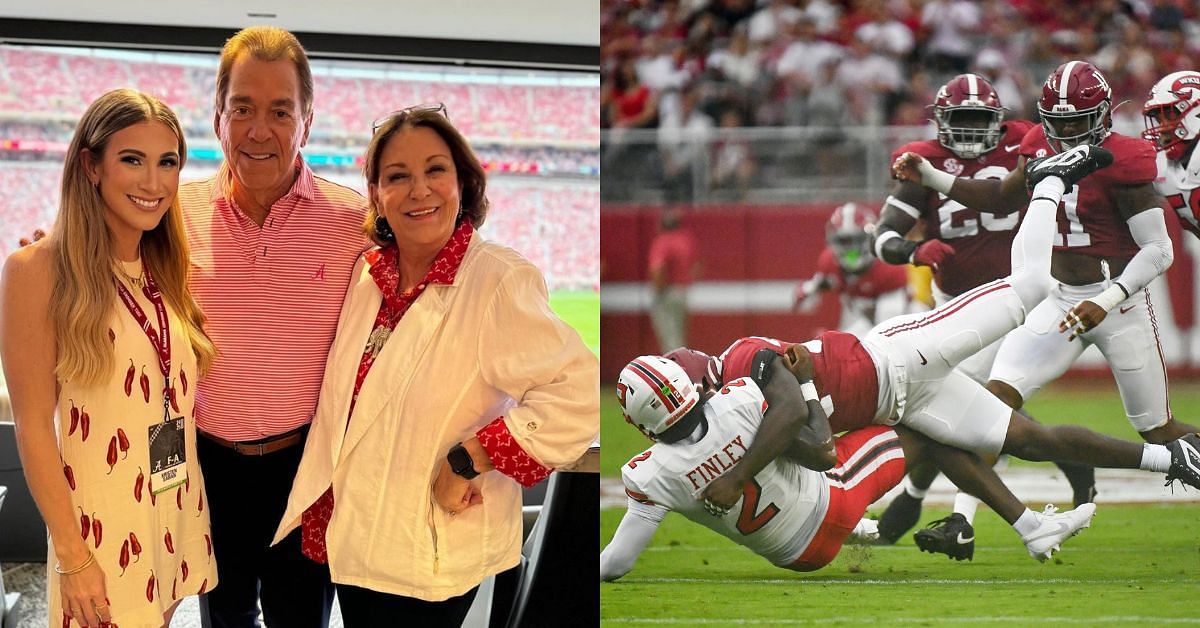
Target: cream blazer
(464, 354)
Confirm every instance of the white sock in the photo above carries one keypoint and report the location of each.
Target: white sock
(913, 491)
(1155, 458)
(1026, 523)
(1034, 241)
(966, 504)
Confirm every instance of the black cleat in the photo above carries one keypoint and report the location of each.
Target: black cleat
(900, 516)
(1070, 166)
(1185, 460)
(1082, 478)
(951, 536)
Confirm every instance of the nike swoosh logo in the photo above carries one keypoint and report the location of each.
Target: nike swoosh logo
(1009, 149)
(962, 541)
(1062, 527)
(1126, 309)
(923, 360)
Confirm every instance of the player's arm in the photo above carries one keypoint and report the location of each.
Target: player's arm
(633, 534)
(794, 422)
(1141, 207)
(809, 292)
(986, 195)
(901, 211)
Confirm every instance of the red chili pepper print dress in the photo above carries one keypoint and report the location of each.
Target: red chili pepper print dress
(154, 549)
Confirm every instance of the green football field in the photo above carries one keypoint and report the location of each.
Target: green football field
(581, 310)
(1136, 565)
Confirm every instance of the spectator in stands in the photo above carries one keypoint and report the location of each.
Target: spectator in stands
(733, 158)
(465, 371)
(683, 146)
(272, 250)
(950, 24)
(82, 312)
(674, 265)
(777, 16)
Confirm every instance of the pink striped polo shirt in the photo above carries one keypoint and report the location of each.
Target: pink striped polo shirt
(272, 296)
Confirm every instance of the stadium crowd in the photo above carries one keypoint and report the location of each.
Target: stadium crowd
(869, 62)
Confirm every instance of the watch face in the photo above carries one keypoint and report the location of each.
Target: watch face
(460, 462)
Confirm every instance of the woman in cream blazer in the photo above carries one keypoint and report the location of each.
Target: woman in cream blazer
(475, 357)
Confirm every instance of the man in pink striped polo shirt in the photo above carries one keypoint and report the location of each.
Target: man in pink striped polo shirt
(272, 250)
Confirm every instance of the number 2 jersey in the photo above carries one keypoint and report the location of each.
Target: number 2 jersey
(1180, 185)
(982, 241)
(783, 506)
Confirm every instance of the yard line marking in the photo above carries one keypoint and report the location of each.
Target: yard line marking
(1023, 619)
(905, 582)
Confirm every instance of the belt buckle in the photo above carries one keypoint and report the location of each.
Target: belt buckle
(250, 450)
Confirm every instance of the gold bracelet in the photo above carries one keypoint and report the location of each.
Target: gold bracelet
(70, 572)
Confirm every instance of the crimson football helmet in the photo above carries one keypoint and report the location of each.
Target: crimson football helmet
(1075, 104)
(968, 115)
(1172, 113)
(702, 369)
(849, 234)
(655, 395)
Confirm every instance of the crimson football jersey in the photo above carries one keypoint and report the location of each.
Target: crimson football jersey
(843, 372)
(1088, 220)
(879, 279)
(982, 241)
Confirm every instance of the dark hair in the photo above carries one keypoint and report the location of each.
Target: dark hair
(472, 181)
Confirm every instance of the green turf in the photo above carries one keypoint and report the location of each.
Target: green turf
(1095, 405)
(1135, 565)
(581, 310)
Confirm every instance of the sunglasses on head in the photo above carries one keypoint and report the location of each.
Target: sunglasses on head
(424, 108)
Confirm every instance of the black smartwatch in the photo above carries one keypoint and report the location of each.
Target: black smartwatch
(460, 462)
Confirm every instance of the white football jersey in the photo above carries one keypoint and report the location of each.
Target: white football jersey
(782, 508)
(1180, 185)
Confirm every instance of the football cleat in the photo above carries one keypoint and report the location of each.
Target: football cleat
(899, 517)
(953, 536)
(1055, 527)
(1071, 166)
(1185, 460)
(1082, 478)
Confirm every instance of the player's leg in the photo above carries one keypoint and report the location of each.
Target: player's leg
(870, 463)
(961, 413)
(1129, 340)
(904, 511)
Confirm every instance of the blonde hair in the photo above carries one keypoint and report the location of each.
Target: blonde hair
(84, 294)
(472, 180)
(265, 43)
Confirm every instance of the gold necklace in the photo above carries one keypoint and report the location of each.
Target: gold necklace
(136, 282)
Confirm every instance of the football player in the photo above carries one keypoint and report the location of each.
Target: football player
(869, 292)
(965, 248)
(904, 370)
(1172, 117)
(1110, 244)
(792, 514)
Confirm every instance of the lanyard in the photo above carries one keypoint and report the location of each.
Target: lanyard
(161, 344)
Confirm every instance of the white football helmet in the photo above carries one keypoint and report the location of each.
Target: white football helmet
(1172, 113)
(655, 394)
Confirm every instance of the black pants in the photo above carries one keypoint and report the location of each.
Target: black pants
(246, 499)
(364, 608)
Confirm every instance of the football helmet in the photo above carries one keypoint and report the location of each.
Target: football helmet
(968, 115)
(655, 395)
(701, 368)
(1075, 92)
(1172, 113)
(849, 234)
